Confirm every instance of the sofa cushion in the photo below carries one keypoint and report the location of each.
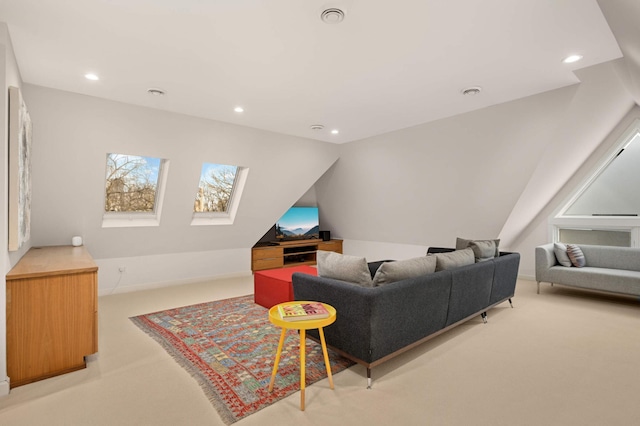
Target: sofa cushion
(560, 250)
(576, 256)
(343, 267)
(462, 243)
(454, 259)
(390, 272)
(483, 250)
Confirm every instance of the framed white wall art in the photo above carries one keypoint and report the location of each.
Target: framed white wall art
(19, 171)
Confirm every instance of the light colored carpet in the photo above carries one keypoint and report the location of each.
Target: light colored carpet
(564, 357)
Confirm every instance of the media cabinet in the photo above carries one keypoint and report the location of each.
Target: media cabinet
(290, 253)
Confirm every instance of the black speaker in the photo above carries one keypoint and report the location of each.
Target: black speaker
(325, 235)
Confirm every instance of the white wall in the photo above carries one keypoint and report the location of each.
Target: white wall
(622, 17)
(428, 184)
(72, 136)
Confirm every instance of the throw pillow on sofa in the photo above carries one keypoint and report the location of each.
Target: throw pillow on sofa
(390, 272)
(560, 250)
(454, 259)
(344, 267)
(462, 243)
(483, 250)
(576, 256)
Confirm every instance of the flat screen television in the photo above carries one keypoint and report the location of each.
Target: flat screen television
(298, 223)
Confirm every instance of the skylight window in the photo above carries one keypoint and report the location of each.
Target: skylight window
(134, 186)
(215, 188)
(218, 196)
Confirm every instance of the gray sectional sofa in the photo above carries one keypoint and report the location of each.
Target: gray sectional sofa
(607, 268)
(377, 323)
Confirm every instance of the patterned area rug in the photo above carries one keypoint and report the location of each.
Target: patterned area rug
(229, 347)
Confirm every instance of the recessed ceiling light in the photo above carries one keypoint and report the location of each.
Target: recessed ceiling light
(156, 92)
(238, 109)
(332, 16)
(316, 127)
(571, 59)
(335, 131)
(92, 77)
(471, 91)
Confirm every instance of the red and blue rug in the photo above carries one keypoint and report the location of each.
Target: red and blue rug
(229, 347)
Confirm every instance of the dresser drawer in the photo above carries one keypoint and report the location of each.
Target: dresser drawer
(267, 252)
(334, 245)
(261, 264)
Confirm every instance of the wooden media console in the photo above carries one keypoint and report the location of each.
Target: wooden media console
(290, 253)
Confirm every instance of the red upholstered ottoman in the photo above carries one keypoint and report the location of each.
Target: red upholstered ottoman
(273, 286)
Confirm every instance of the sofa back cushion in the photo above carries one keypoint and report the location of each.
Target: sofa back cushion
(462, 243)
(343, 267)
(454, 259)
(483, 250)
(627, 258)
(390, 272)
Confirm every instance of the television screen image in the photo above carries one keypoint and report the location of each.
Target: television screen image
(298, 223)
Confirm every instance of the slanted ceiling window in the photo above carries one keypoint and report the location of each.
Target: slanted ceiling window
(219, 192)
(605, 210)
(134, 188)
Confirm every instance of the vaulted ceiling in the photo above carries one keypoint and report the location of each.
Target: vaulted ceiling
(386, 66)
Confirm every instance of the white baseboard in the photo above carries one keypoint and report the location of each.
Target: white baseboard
(4, 387)
(526, 277)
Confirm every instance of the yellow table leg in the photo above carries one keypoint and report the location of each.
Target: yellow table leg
(277, 361)
(303, 350)
(326, 357)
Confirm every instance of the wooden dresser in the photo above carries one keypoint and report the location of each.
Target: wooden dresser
(52, 313)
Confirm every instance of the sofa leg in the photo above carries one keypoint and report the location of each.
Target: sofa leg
(511, 303)
(484, 317)
(538, 287)
(368, 378)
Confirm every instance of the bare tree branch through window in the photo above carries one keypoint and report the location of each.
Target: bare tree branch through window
(131, 183)
(215, 189)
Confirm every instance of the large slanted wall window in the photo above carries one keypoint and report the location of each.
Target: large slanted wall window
(219, 192)
(134, 187)
(605, 210)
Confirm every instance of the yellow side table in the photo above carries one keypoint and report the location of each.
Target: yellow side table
(302, 326)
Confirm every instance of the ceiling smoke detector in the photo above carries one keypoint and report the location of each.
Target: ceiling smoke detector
(471, 91)
(156, 92)
(332, 16)
(316, 127)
